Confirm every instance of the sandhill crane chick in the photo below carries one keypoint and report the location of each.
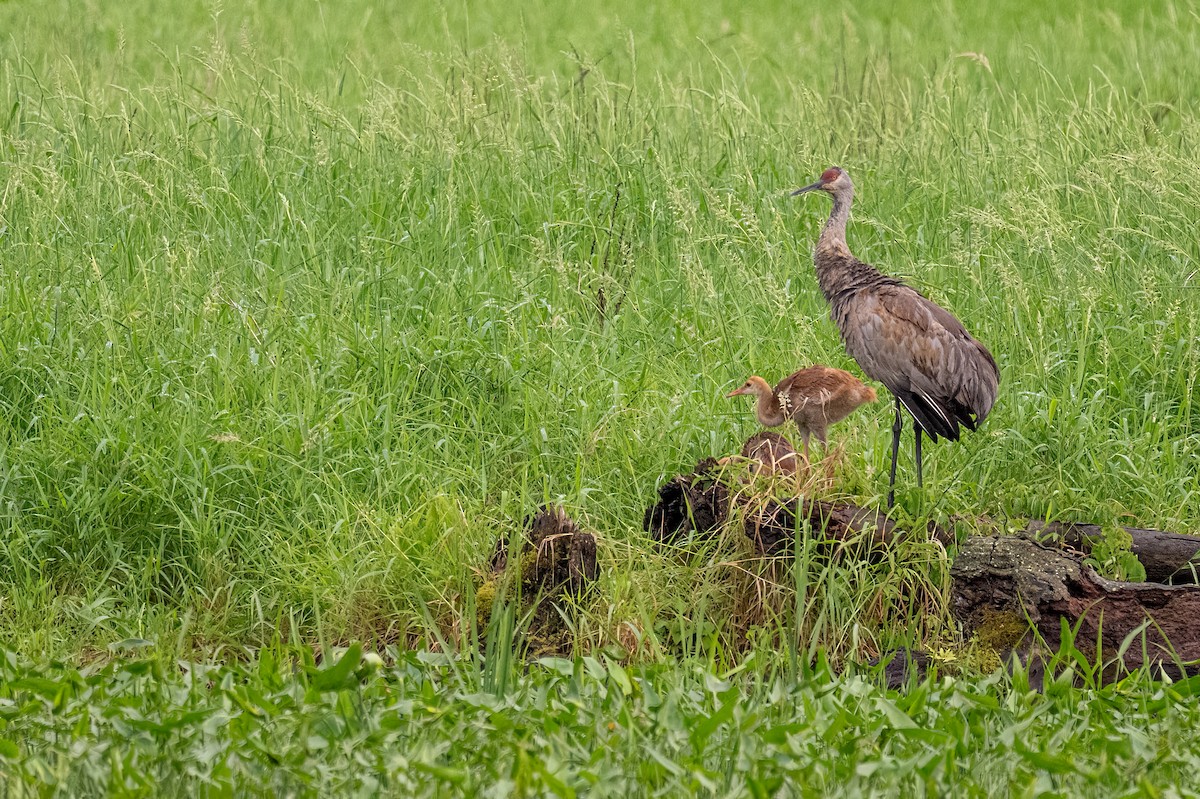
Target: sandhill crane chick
(926, 358)
(813, 398)
(770, 453)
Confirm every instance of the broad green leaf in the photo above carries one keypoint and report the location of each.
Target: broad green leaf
(340, 675)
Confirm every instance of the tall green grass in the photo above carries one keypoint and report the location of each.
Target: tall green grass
(303, 305)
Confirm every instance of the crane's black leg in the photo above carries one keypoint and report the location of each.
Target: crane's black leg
(917, 427)
(896, 428)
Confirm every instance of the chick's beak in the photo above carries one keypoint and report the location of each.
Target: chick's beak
(809, 187)
(736, 392)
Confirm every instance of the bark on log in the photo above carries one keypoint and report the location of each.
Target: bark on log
(1014, 575)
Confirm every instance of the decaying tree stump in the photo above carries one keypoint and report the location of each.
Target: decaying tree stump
(1016, 576)
(555, 553)
(565, 554)
(556, 560)
(696, 502)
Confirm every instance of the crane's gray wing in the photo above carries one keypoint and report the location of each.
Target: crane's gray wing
(924, 356)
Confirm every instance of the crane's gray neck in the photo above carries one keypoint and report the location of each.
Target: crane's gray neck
(833, 235)
(838, 271)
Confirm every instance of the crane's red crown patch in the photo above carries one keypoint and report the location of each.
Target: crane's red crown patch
(831, 174)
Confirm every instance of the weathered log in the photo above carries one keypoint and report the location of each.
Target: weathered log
(1171, 558)
(1014, 576)
(772, 524)
(698, 503)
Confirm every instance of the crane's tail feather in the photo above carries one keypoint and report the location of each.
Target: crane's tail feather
(938, 420)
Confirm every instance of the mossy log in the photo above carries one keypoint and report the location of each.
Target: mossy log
(1010, 575)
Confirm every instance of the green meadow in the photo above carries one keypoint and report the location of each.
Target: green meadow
(303, 305)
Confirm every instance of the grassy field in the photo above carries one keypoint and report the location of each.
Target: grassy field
(302, 305)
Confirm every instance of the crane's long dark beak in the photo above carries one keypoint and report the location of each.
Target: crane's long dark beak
(810, 187)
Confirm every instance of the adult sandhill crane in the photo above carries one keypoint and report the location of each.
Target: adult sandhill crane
(916, 348)
(813, 398)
